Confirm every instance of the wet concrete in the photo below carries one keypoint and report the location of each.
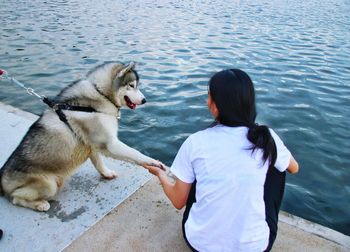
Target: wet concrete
(56, 211)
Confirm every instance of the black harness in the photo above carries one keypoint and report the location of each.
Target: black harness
(58, 107)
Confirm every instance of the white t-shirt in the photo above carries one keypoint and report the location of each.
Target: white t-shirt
(229, 214)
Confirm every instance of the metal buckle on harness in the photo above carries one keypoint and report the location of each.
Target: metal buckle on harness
(55, 107)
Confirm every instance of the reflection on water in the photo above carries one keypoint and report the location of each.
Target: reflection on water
(297, 53)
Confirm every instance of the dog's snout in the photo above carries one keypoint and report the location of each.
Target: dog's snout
(143, 101)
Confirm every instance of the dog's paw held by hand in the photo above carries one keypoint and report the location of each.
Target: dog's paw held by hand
(158, 164)
(109, 174)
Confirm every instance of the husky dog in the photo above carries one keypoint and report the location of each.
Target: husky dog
(82, 124)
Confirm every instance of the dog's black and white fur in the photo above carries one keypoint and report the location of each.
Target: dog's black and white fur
(52, 149)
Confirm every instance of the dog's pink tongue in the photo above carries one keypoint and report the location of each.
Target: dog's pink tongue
(129, 103)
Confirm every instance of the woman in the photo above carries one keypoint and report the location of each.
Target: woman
(226, 167)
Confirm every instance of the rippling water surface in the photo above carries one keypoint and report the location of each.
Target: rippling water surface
(297, 53)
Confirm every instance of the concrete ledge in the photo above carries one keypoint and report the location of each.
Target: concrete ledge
(18, 112)
(147, 221)
(315, 229)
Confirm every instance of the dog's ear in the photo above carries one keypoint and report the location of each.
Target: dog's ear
(126, 69)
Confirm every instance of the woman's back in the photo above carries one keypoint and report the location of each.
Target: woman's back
(225, 167)
(229, 213)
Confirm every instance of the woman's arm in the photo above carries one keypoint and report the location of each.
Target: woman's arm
(177, 192)
(293, 166)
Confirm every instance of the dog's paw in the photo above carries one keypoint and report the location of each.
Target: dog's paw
(42, 206)
(109, 174)
(158, 164)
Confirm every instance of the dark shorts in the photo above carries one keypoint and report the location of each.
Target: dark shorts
(190, 200)
(273, 194)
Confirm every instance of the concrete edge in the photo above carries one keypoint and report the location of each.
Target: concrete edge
(19, 112)
(314, 228)
(106, 214)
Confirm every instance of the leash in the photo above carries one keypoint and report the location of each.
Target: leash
(57, 107)
(4, 76)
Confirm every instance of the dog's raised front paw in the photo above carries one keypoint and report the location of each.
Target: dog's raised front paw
(109, 174)
(158, 164)
(42, 206)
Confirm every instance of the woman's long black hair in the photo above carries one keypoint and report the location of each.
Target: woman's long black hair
(233, 92)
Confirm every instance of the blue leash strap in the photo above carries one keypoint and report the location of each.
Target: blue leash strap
(4, 76)
(57, 107)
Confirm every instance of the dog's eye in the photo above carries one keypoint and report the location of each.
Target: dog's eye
(132, 85)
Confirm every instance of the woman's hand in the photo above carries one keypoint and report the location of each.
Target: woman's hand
(177, 192)
(293, 166)
(159, 171)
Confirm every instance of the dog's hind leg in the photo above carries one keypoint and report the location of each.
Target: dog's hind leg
(35, 194)
(100, 166)
(27, 197)
(39, 205)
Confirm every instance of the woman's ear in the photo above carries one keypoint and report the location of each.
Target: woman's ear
(212, 106)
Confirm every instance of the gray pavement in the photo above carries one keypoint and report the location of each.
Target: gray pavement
(148, 222)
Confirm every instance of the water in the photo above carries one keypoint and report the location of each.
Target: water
(297, 53)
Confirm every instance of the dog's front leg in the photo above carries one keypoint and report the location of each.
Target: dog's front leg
(100, 166)
(120, 150)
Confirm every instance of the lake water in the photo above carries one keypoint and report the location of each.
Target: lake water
(297, 53)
